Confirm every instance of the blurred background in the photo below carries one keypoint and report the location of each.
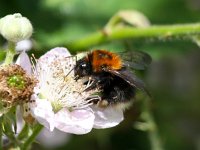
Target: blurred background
(173, 77)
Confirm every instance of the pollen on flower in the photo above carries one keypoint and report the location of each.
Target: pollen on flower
(58, 86)
(16, 87)
(27, 116)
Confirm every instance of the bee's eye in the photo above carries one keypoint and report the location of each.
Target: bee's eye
(84, 65)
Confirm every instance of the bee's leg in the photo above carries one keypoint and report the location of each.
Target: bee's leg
(92, 83)
(98, 82)
(115, 95)
(110, 97)
(118, 94)
(102, 103)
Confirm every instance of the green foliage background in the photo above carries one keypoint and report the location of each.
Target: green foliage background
(173, 77)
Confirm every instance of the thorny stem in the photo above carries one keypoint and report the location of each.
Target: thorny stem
(31, 138)
(159, 32)
(10, 53)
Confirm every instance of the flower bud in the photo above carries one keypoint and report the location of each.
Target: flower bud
(134, 18)
(15, 28)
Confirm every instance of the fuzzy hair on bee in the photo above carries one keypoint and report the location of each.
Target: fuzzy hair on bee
(111, 75)
(105, 59)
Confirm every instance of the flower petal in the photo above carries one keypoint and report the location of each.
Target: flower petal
(107, 117)
(76, 122)
(24, 61)
(42, 111)
(55, 53)
(53, 139)
(24, 45)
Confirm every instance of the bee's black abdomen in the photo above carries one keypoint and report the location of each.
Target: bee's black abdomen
(118, 91)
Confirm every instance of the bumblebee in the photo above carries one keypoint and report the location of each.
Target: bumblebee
(112, 75)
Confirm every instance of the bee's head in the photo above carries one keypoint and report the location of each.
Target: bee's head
(83, 68)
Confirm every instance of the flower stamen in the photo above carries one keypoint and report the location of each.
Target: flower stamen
(58, 85)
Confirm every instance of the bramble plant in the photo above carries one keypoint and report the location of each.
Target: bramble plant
(47, 98)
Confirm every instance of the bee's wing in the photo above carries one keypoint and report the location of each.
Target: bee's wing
(137, 60)
(130, 78)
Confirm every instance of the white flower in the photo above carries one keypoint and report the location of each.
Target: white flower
(61, 102)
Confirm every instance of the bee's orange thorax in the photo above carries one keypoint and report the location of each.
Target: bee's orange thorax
(105, 59)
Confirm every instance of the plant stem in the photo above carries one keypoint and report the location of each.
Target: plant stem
(10, 53)
(154, 137)
(159, 32)
(32, 137)
(1, 134)
(2, 55)
(24, 133)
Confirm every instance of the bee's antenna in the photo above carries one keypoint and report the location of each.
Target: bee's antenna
(70, 71)
(74, 65)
